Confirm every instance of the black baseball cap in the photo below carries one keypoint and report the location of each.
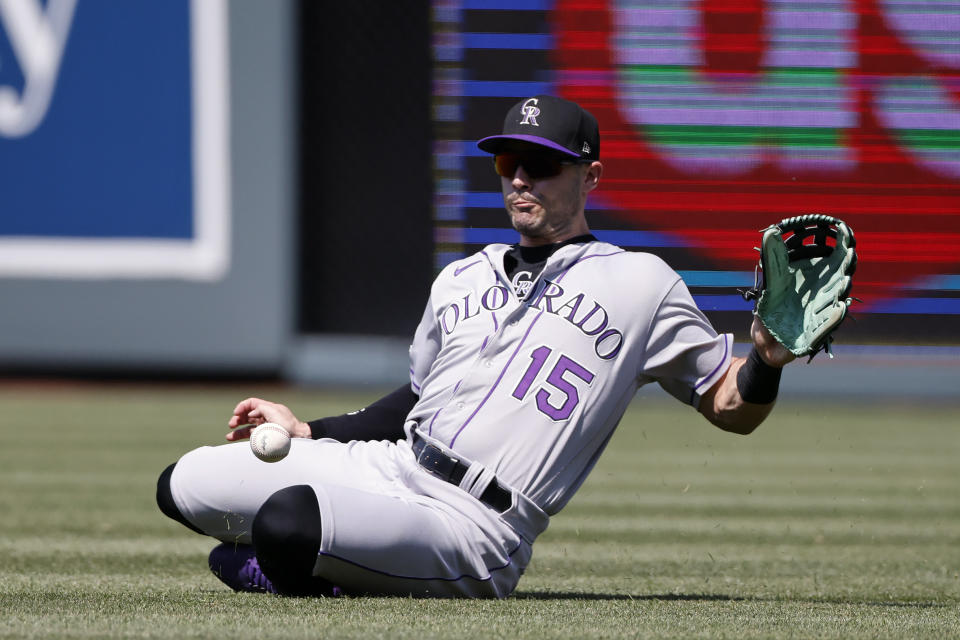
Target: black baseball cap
(550, 122)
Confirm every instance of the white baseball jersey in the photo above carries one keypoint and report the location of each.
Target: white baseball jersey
(528, 389)
(533, 388)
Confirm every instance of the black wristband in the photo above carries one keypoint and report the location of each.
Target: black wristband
(757, 381)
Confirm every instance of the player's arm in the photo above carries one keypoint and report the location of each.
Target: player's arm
(746, 393)
(382, 420)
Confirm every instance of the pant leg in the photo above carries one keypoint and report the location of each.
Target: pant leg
(381, 532)
(414, 545)
(220, 489)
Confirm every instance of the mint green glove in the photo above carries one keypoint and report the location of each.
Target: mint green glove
(807, 264)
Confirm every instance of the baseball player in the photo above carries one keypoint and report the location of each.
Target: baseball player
(523, 364)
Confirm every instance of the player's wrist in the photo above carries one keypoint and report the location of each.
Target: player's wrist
(757, 381)
(769, 358)
(300, 430)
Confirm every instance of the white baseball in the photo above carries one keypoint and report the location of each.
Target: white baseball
(270, 442)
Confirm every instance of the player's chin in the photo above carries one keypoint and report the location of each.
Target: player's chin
(528, 224)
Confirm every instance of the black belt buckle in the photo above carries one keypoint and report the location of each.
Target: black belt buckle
(437, 462)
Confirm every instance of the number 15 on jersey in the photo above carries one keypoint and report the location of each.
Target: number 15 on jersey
(558, 396)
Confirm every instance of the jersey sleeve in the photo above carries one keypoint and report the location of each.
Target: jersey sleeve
(424, 348)
(684, 353)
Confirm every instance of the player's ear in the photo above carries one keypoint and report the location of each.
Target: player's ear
(591, 177)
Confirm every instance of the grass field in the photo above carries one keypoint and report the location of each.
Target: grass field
(828, 522)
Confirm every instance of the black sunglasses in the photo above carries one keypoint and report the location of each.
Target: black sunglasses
(536, 165)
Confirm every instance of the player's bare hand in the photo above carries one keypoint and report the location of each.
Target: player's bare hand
(771, 351)
(252, 412)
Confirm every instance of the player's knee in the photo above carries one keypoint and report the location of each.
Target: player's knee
(165, 499)
(286, 537)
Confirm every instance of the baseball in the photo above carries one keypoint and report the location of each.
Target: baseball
(270, 442)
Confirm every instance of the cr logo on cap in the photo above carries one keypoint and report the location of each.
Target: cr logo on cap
(530, 112)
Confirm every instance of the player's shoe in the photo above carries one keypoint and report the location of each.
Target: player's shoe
(237, 567)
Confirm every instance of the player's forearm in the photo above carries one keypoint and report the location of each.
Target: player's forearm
(744, 397)
(382, 420)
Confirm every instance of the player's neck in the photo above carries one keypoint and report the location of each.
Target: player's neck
(537, 252)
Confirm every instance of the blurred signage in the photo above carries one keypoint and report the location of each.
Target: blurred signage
(724, 116)
(720, 117)
(114, 149)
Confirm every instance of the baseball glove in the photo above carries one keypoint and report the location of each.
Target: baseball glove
(803, 282)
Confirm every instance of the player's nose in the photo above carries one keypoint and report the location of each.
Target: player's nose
(521, 179)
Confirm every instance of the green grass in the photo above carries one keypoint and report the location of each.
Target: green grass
(828, 522)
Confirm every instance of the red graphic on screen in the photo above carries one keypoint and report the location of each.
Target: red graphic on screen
(896, 188)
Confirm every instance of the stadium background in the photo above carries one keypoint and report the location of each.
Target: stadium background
(202, 200)
(266, 189)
